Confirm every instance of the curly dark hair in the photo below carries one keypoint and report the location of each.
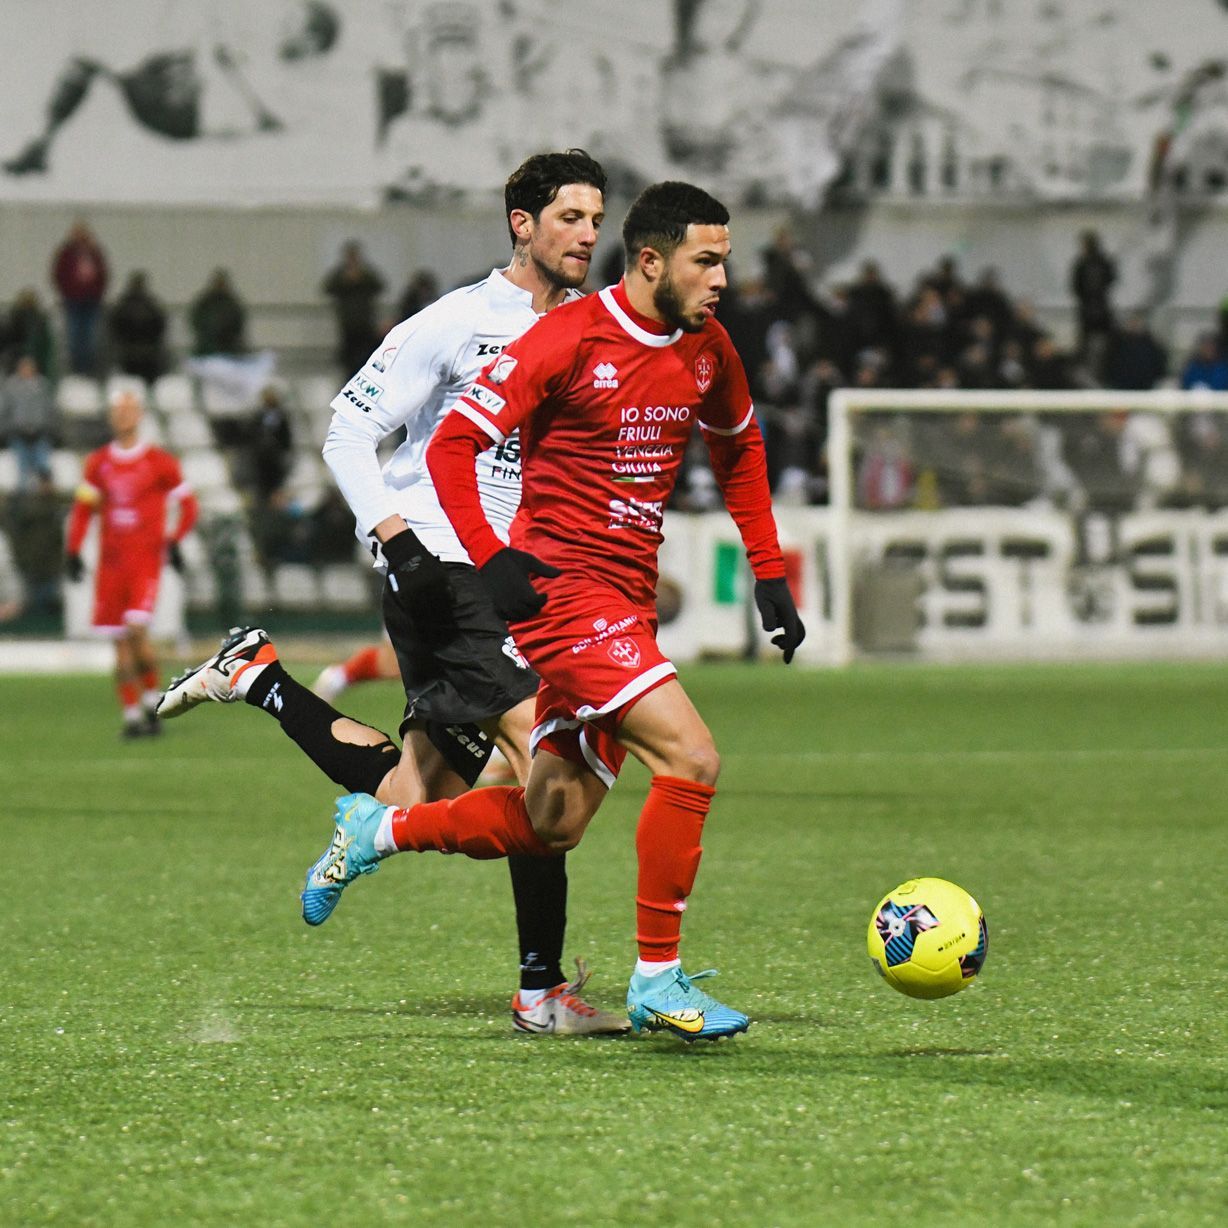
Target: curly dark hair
(661, 214)
(537, 180)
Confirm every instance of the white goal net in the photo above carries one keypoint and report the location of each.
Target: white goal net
(1015, 525)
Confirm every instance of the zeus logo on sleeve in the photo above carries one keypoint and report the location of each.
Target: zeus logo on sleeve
(362, 392)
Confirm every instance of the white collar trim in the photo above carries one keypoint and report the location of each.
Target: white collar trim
(128, 453)
(656, 340)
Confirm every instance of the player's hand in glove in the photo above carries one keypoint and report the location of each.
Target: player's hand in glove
(778, 612)
(174, 556)
(74, 568)
(417, 580)
(507, 577)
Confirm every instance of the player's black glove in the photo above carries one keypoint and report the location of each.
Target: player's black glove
(506, 576)
(417, 580)
(174, 556)
(777, 610)
(74, 568)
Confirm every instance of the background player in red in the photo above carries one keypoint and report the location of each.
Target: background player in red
(129, 484)
(605, 393)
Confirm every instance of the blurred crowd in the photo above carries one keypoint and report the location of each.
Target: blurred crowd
(800, 337)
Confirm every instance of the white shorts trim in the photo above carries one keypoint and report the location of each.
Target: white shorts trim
(599, 769)
(636, 687)
(546, 728)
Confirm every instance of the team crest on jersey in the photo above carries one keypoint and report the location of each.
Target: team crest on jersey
(625, 653)
(705, 369)
(502, 369)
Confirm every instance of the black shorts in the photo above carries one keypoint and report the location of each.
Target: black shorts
(458, 666)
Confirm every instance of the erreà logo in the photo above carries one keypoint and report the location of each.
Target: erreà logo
(605, 375)
(704, 371)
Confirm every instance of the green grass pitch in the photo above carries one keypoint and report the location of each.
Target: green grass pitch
(177, 1047)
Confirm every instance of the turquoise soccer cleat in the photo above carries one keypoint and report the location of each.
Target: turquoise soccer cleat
(351, 854)
(671, 1003)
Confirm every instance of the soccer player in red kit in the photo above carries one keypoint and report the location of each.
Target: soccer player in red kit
(605, 393)
(129, 483)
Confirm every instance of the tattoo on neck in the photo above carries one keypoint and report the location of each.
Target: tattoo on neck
(522, 256)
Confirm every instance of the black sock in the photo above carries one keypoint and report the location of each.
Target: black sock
(539, 887)
(306, 718)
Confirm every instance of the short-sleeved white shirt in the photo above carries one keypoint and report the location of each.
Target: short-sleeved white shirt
(411, 381)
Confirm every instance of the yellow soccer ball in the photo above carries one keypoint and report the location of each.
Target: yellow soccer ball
(928, 938)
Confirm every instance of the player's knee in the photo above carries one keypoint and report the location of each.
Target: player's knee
(559, 811)
(560, 840)
(699, 762)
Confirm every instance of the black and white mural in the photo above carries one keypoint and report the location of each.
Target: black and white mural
(767, 101)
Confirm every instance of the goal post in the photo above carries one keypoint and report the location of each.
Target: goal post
(1026, 525)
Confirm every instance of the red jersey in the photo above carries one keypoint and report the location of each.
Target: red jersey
(130, 487)
(605, 404)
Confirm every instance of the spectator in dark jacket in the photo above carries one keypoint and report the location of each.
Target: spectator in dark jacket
(218, 318)
(27, 330)
(1135, 361)
(1091, 280)
(355, 287)
(138, 330)
(270, 445)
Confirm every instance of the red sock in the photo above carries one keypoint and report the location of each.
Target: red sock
(129, 694)
(667, 842)
(482, 824)
(149, 680)
(363, 666)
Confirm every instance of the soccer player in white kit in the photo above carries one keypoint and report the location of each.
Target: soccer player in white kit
(465, 682)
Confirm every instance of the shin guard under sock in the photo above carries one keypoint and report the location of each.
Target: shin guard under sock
(482, 824)
(667, 844)
(308, 720)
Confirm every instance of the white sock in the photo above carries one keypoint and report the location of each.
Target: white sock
(385, 846)
(243, 683)
(644, 968)
(149, 701)
(134, 714)
(531, 997)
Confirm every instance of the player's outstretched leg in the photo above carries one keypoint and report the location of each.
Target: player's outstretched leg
(218, 679)
(562, 1012)
(669, 1002)
(350, 854)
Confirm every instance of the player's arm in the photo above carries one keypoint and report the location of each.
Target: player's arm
(187, 513)
(488, 412)
(739, 464)
(391, 390)
(86, 502)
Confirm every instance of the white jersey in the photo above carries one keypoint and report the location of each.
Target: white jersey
(411, 381)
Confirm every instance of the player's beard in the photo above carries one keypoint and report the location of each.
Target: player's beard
(669, 306)
(558, 277)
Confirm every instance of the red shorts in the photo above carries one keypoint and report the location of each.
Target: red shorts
(596, 654)
(125, 593)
